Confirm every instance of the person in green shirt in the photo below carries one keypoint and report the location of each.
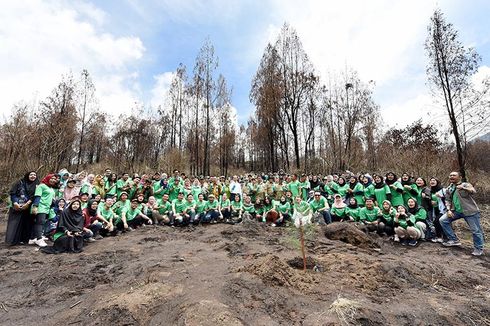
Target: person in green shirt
(84, 199)
(408, 187)
(368, 216)
(162, 211)
(174, 189)
(294, 186)
(200, 208)
(236, 209)
(111, 185)
(178, 208)
(248, 208)
(304, 186)
(70, 231)
(258, 210)
(356, 190)
(402, 221)
(212, 210)
(134, 217)
(105, 210)
(339, 210)
(353, 210)
(460, 204)
(396, 189)
(386, 219)
(420, 216)
(190, 209)
(283, 207)
(320, 209)
(224, 208)
(135, 188)
(123, 184)
(302, 212)
(41, 205)
(381, 191)
(342, 187)
(269, 215)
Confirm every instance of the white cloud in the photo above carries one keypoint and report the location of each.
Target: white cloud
(42, 40)
(161, 87)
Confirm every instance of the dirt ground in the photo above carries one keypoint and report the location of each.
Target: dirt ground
(248, 274)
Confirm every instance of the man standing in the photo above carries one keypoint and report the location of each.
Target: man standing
(460, 204)
(235, 187)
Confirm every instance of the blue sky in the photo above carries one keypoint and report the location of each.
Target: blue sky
(132, 47)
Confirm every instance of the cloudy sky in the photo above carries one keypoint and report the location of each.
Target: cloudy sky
(132, 47)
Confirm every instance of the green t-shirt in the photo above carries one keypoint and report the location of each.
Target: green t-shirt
(249, 208)
(283, 208)
(164, 207)
(380, 194)
(212, 205)
(179, 205)
(190, 205)
(294, 186)
(302, 208)
(121, 207)
(369, 215)
(132, 213)
(236, 205)
(201, 206)
(455, 199)
(318, 204)
(388, 216)
(106, 213)
(340, 212)
(47, 195)
(110, 189)
(396, 190)
(354, 213)
(225, 204)
(173, 192)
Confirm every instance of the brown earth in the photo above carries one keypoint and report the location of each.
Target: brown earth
(248, 274)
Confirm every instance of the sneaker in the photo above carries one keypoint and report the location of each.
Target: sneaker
(451, 243)
(32, 241)
(90, 240)
(45, 238)
(439, 240)
(404, 242)
(40, 243)
(412, 243)
(396, 238)
(99, 237)
(477, 252)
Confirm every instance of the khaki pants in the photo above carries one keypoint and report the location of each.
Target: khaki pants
(412, 232)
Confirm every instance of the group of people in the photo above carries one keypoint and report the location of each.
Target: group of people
(73, 209)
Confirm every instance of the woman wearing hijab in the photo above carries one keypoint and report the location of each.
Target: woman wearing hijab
(396, 189)
(41, 206)
(92, 220)
(438, 208)
(355, 190)
(20, 219)
(69, 235)
(420, 226)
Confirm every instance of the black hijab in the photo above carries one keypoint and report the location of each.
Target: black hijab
(378, 185)
(25, 186)
(91, 212)
(437, 187)
(352, 185)
(388, 181)
(71, 220)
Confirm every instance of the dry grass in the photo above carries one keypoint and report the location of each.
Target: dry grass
(345, 309)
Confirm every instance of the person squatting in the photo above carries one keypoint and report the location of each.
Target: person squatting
(72, 209)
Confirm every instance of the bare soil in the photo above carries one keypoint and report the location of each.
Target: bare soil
(248, 274)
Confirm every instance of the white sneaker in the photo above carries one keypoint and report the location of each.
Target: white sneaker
(32, 241)
(45, 238)
(41, 243)
(396, 238)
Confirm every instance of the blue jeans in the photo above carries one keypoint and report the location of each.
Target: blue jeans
(473, 222)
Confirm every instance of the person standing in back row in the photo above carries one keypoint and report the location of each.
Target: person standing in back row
(460, 204)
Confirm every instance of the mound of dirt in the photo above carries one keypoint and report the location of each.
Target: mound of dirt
(273, 270)
(348, 233)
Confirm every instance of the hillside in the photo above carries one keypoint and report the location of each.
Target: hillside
(244, 275)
